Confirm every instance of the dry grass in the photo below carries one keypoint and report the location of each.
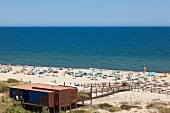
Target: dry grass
(156, 104)
(164, 110)
(137, 103)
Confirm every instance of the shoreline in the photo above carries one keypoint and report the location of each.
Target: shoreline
(114, 69)
(61, 77)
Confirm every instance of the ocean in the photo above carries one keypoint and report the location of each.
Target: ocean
(120, 48)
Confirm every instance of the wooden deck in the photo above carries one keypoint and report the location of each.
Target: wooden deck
(33, 104)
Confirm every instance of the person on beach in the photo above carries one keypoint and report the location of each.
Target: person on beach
(144, 69)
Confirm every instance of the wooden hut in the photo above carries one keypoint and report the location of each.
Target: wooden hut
(38, 96)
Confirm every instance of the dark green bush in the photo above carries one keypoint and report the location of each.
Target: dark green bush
(125, 107)
(11, 80)
(114, 108)
(16, 108)
(79, 111)
(104, 105)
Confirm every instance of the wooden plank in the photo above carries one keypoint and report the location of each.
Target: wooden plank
(51, 99)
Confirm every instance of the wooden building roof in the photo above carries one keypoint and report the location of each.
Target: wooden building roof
(41, 87)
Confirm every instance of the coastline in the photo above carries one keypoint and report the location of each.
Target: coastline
(67, 78)
(130, 97)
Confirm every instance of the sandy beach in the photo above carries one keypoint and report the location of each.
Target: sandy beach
(115, 99)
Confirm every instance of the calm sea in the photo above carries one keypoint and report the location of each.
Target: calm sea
(127, 48)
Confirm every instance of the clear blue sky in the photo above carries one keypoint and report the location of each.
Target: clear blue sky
(84, 12)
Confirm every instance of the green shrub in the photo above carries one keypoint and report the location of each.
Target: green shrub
(61, 111)
(11, 80)
(45, 110)
(82, 95)
(151, 105)
(3, 87)
(104, 105)
(80, 111)
(114, 108)
(95, 112)
(16, 108)
(125, 107)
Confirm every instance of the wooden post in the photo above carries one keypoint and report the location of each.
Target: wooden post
(65, 109)
(70, 107)
(54, 108)
(132, 86)
(116, 87)
(138, 87)
(83, 102)
(96, 92)
(91, 94)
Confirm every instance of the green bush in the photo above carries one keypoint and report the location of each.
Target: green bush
(128, 107)
(79, 111)
(44, 110)
(114, 108)
(11, 80)
(82, 95)
(16, 108)
(125, 107)
(104, 105)
(3, 87)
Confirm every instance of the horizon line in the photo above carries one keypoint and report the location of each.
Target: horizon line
(84, 26)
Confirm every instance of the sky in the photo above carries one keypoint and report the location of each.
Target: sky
(84, 12)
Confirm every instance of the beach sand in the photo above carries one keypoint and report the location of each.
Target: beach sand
(115, 99)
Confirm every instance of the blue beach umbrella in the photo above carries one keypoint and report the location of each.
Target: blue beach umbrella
(40, 72)
(118, 71)
(49, 68)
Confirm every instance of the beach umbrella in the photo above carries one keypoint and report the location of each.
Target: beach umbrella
(61, 68)
(49, 68)
(116, 76)
(89, 75)
(166, 74)
(118, 71)
(130, 72)
(33, 73)
(85, 73)
(80, 71)
(149, 73)
(99, 72)
(40, 72)
(153, 73)
(143, 76)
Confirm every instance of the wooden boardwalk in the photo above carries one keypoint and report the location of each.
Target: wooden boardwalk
(97, 90)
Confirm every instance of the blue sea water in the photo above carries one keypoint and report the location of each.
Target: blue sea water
(127, 48)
